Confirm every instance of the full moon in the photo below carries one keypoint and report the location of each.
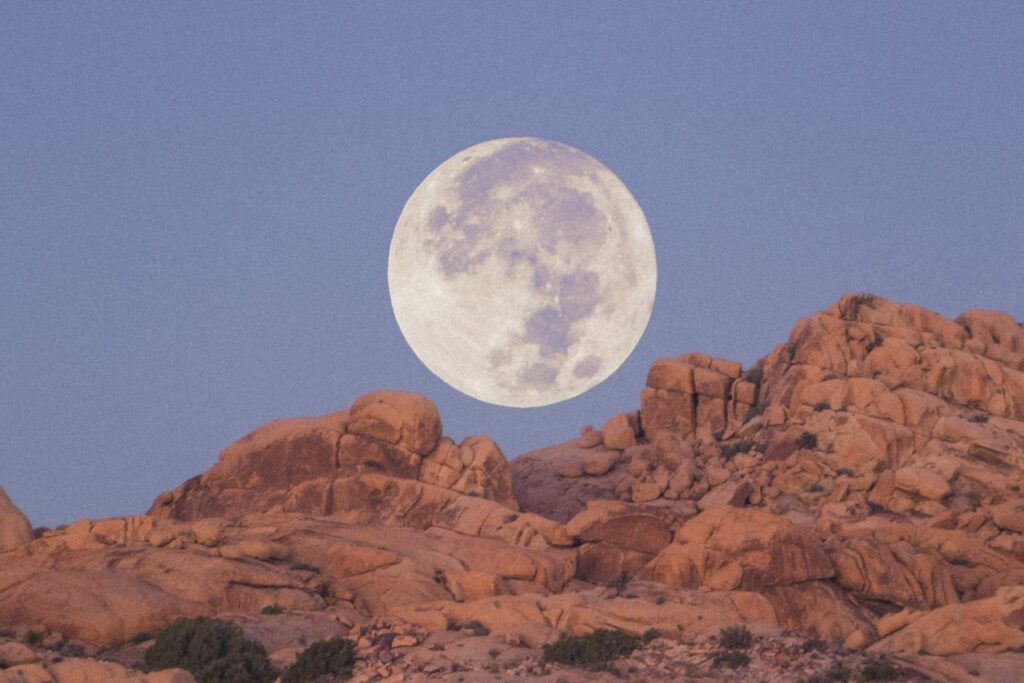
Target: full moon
(522, 272)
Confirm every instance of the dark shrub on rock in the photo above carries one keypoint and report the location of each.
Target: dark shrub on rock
(212, 650)
(334, 657)
(595, 650)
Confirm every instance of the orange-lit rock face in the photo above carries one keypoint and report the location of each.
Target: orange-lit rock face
(861, 484)
(15, 531)
(290, 464)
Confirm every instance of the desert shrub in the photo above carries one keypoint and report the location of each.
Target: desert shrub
(72, 649)
(735, 638)
(476, 628)
(334, 657)
(141, 637)
(732, 659)
(878, 669)
(980, 418)
(212, 650)
(814, 645)
(731, 450)
(837, 673)
(807, 440)
(821, 405)
(650, 634)
(814, 487)
(619, 583)
(303, 567)
(33, 638)
(272, 609)
(593, 651)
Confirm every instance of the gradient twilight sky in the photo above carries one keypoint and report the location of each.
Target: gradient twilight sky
(197, 199)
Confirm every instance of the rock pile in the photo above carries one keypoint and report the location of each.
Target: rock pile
(854, 499)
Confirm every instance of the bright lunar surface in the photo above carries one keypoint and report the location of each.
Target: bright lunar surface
(522, 272)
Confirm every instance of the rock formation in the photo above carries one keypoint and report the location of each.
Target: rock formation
(300, 465)
(857, 491)
(15, 530)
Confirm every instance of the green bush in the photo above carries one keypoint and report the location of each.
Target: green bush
(650, 634)
(619, 583)
(735, 638)
(732, 450)
(878, 669)
(807, 440)
(272, 609)
(732, 659)
(593, 651)
(477, 628)
(334, 657)
(33, 638)
(212, 650)
(837, 674)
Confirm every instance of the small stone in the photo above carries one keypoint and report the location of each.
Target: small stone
(404, 641)
(734, 494)
(618, 432)
(923, 482)
(716, 475)
(856, 640)
(13, 653)
(590, 439)
(644, 492)
(600, 463)
(571, 470)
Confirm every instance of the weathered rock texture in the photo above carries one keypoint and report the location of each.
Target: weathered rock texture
(295, 465)
(15, 530)
(860, 485)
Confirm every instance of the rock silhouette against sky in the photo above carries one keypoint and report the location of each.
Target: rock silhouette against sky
(858, 488)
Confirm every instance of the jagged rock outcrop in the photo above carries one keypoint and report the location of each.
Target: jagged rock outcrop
(15, 530)
(990, 625)
(294, 464)
(861, 484)
(727, 548)
(891, 437)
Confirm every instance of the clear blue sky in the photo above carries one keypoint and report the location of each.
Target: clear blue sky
(196, 199)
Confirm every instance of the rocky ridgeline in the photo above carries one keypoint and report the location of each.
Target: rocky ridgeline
(859, 486)
(301, 464)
